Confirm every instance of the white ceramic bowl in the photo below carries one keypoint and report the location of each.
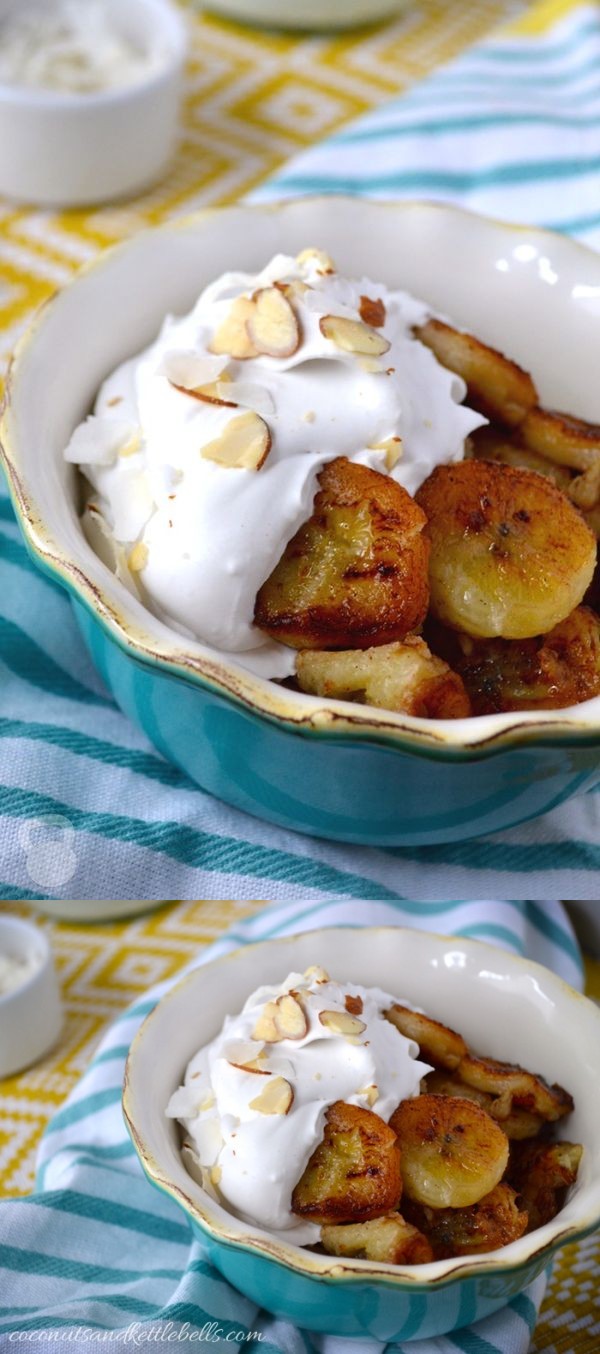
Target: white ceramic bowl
(506, 1007)
(64, 150)
(307, 14)
(30, 1015)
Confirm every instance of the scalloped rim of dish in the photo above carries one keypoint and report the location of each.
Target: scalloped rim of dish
(437, 1274)
(476, 736)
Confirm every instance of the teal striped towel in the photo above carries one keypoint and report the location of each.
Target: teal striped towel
(513, 127)
(97, 1247)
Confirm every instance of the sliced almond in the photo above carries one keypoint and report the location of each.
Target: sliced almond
(370, 1094)
(354, 1005)
(319, 974)
(290, 1018)
(266, 1028)
(187, 370)
(392, 446)
(216, 392)
(138, 557)
(272, 327)
(352, 336)
(241, 1051)
(275, 1098)
(244, 444)
(326, 264)
(372, 311)
(232, 336)
(294, 290)
(342, 1023)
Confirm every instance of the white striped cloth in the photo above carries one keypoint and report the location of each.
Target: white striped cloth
(87, 808)
(96, 1249)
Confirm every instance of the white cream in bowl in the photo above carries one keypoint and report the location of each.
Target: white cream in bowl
(253, 1101)
(194, 537)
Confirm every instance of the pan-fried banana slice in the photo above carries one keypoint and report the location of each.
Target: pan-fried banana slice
(451, 1151)
(518, 1124)
(493, 1222)
(405, 677)
(512, 1086)
(354, 1173)
(549, 673)
(355, 575)
(567, 441)
(493, 443)
(542, 1173)
(389, 1241)
(438, 1045)
(561, 438)
(510, 555)
(495, 385)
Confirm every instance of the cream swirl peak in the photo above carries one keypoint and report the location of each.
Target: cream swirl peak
(203, 451)
(254, 1101)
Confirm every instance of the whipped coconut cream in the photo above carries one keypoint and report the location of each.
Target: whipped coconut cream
(252, 1157)
(196, 538)
(15, 970)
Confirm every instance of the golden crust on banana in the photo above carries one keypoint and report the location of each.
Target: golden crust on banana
(388, 1240)
(355, 574)
(451, 1151)
(438, 1044)
(354, 1173)
(517, 1124)
(494, 1221)
(404, 676)
(510, 554)
(493, 443)
(551, 672)
(513, 1086)
(542, 1173)
(495, 385)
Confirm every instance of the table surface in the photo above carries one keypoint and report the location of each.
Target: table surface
(103, 968)
(253, 100)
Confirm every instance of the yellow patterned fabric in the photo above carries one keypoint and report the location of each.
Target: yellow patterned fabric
(103, 968)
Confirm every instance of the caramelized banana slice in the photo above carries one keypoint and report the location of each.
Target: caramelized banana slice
(548, 673)
(438, 1045)
(451, 1151)
(493, 443)
(561, 438)
(493, 1222)
(512, 1086)
(405, 677)
(389, 1241)
(495, 385)
(354, 1173)
(542, 1173)
(518, 1124)
(355, 575)
(510, 555)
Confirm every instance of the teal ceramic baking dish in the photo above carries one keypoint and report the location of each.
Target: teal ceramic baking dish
(503, 1005)
(323, 767)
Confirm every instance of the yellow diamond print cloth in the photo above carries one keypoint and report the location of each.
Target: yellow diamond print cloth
(97, 1248)
(512, 127)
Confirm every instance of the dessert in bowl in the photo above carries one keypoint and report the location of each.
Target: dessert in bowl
(333, 1254)
(308, 758)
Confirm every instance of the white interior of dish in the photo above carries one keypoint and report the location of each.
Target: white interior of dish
(504, 1007)
(535, 295)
